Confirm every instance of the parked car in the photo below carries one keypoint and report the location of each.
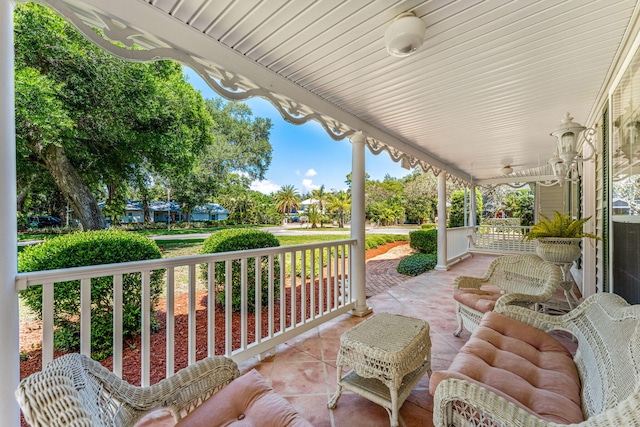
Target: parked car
(44, 221)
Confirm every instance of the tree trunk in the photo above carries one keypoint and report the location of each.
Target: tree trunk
(72, 187)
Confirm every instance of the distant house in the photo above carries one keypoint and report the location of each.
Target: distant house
(160, 211)
(209, 212)
(304, 205)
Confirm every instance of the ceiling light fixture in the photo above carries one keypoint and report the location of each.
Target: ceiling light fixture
(405, 34)
(506, 170)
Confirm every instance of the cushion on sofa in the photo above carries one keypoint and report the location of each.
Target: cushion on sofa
(247, 401)
(521, 363)
(483, 299)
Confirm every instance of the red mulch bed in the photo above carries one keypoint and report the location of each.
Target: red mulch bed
(131, 353)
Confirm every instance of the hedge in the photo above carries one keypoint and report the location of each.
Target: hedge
(84, 249)
(416, 264)
(425, 241)
(240, 240)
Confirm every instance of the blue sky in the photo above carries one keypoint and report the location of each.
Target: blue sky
(305, 156)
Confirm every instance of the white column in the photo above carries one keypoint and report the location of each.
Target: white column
(10, 351)
(357, 274)
(442, 221)
(472, 206)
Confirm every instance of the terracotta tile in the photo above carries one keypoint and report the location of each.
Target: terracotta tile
(287, 353)
(296, 378)
(313, 408)
(356, 411)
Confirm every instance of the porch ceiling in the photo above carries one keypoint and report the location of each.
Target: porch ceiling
(492, 79)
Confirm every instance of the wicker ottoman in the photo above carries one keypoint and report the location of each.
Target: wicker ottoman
(388, 354)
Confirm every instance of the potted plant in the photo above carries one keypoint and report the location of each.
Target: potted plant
(559, 238)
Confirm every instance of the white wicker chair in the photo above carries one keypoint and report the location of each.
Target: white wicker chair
(528, 276)
(607, 330)
(74, 390)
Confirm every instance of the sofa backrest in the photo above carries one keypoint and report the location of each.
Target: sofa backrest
(608, 357)
(525, 274)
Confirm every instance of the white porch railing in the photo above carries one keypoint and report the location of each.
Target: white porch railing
(501, 239)
(312, 289)
(457, 244)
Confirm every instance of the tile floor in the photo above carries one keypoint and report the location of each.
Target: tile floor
(303, 369)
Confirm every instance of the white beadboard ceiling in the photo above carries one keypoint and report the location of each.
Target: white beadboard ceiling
(490, 83)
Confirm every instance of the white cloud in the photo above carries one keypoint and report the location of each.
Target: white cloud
(241, 173)
(311, 172)
(308, 185)
(265, 186)
(297, 172)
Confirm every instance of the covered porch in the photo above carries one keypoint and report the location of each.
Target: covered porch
(492, 79)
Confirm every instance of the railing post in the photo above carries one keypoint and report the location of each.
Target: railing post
(442, 221)
(9, 333)
(358, 271)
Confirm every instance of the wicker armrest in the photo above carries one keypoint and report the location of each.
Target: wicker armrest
(180, 393)
(459, 398)
(468, 282)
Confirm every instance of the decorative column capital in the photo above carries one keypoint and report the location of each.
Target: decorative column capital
(358, 138)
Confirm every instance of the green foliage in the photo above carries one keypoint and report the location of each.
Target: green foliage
(241, 240)
(520, 204)
(83, 249)
(106, 116)
(372, 241)
(416, 264)
(425, 241)
(456, 212)
(561, 226)
(428, 226)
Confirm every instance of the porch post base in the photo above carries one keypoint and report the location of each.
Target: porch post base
(361, 311)
(441, 268)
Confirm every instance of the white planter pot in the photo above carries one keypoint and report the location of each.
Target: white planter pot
(559, 249)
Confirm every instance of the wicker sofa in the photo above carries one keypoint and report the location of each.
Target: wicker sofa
(74, 390)
(533, 279)
(512, 372)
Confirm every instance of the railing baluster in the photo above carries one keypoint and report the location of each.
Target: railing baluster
(211, 309)
(312, 283)
(293, 289)
(244, 300)
(303, 286)
(145, 351)
(336, 285)
(271, 294)
(85, 316)
(257, 313)
(321, 281)
(47, 323)
(228, 308)
(170, 322)
(328, 263)
(117, 325)
(283, 268)
(191, 316)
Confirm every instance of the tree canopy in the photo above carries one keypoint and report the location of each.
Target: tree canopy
(99, 127)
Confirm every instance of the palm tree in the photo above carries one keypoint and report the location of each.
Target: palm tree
(315, 216)
(322, 197)
(340, 202)
(287, 199)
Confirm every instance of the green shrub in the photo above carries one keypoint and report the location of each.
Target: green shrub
(416, 264)
(239, 240)
(428, 226)
(425, 241)
(372, 241)
(83, 249)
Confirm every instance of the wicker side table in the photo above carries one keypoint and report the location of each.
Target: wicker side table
(388, 354)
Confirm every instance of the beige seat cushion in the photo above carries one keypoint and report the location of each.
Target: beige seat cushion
(247, 401)
(521, 363)
(482, 300)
